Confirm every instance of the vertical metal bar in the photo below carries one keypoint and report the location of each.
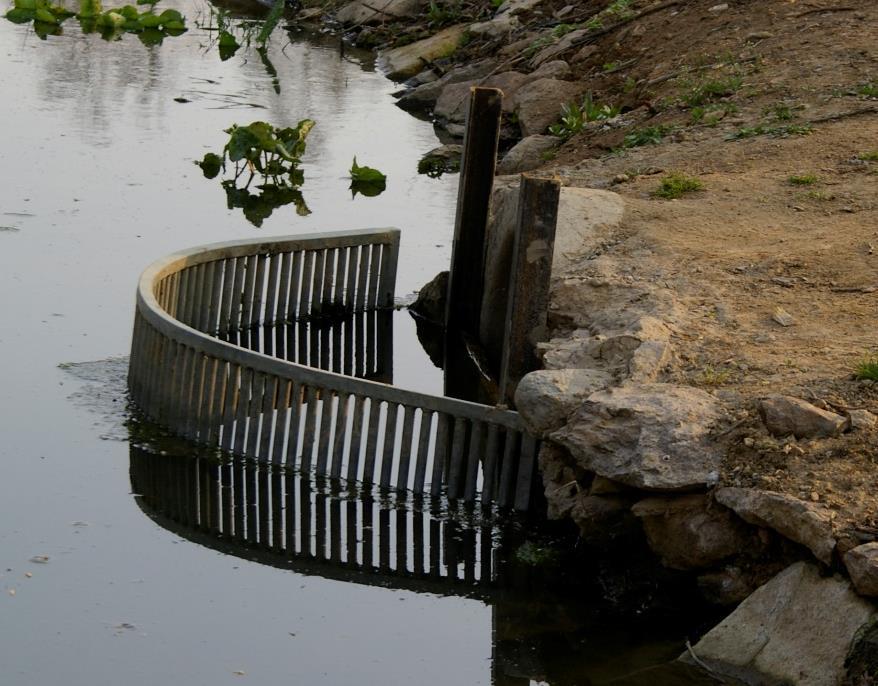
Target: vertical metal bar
(473, 459)
(389, 260)
(317, 282)
(310, 427)
(293, 433)
(305, 295)
(525, 472)
(284, 387)
(295, 277)
(340, 275)
(252, 449)
(341, 427)
(389, 444)
(233, 399)
(405, 452)
(352, 276)
(244, 401)
(356, 435)
(362, 278)
(440, 453)
(372, 440)
(529, 275)
(237, 302)
(258, 292)
(374, 277)
(270, 392)
(271, 289)
(226, 301)
(458, 454)
(424, 433)
(249, 290)
(465, 283)
(323, 444)
(489, 480)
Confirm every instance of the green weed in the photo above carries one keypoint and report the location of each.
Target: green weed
(867, 369)
(871, 156)
(772, 131)
(708, 91)
(650, 135)
(868, 90)
(802, 180)
(574, 116)
(676, 185)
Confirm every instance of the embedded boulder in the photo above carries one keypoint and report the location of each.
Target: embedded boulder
(796, 629)
(692, 531)
(430, 303)
(527, 154)
(546, 398)
(651, 436)
(538, 103)
(862, 565)
(805, 523)
(784, 415)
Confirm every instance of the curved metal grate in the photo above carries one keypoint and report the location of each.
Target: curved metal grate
(276, 350)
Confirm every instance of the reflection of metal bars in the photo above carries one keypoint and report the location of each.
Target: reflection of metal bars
(234, 347)
(280, 517)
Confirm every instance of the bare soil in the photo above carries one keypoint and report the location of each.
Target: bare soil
(752, 240)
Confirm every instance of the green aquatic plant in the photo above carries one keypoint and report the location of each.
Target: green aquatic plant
(111, 24)
(366, 180)
(274, 154)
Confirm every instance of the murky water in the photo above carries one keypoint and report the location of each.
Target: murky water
(102, 586)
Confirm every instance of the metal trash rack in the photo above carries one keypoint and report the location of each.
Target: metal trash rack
(198, 368)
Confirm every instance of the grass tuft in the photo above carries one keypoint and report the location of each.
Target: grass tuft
(868, 369)
(802, 180)
(676, 185)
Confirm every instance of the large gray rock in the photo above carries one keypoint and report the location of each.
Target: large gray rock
(358, 12)
(452, 104)
(538, 103)
(862, 565)
(401, 63)
(796, 629)
(556, 49)
(691, 531)
(504, 21)
(424, 97)
(784, 415)
(546, 398)
(527, 154)
(805, 523)
(650, 436)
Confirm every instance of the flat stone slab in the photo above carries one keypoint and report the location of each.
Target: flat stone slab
(650, 436)
(796, 629)
(784, 415)
(401, 63)
(804, 523)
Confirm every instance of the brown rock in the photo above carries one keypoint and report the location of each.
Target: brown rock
(650, 436)
(784, 415)
(862, 565)
(691, 532)
(805, 523)
(538, 103)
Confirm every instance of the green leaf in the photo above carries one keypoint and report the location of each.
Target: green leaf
(368, 188)
(25, 4)
(175, 28)
(228, 45)
(277, 10)
(129, 12)
(241, 143)
(151, 36)
(147, 2)
(89, 8)
(18, 15)
(169, 16)
(210, 165)
(45, 16)
(366, 174)
(148, 20)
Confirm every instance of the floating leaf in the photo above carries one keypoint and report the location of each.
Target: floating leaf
(211, 165)
(26, 4)
(89, 8)
(366, 174)
(241, 143)
(228, 45)
(45, 16)
(19, 15)
(368, 188)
